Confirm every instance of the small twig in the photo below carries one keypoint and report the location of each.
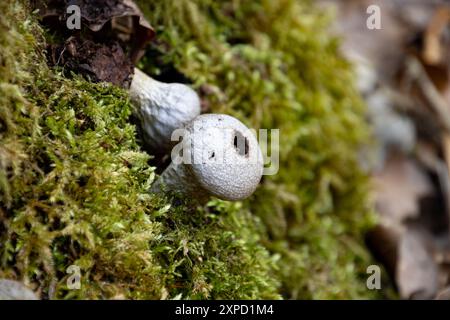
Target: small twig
(440, 106)
(434, 98)
(60, 56)
(432, 52)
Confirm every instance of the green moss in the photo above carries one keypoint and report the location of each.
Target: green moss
(273, 65)
(74, 190)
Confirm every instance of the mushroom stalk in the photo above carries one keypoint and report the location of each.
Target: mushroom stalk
(180, 179)
(221, 157)
(161, 108)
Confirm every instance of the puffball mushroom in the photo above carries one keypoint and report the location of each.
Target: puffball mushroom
(161, 108)
(220, 157)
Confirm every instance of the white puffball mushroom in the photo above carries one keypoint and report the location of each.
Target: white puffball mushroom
(161, 108)
(14, 290)
(220, 157)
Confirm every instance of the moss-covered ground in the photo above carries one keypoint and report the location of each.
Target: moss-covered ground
(74, 183)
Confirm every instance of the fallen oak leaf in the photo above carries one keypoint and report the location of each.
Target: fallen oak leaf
(417, 272)
(124, 17)
(398, 188)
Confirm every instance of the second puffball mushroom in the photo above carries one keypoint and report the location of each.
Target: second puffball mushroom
(220, 157)
(161, 108)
